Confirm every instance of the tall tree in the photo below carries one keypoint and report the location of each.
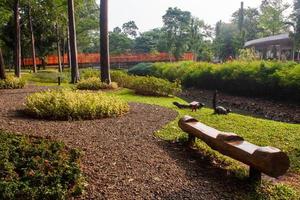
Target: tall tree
(296, 22)
(33, 54)
(250, 23)
(73, 44)
(227, 41)
(17, 38)
(104, 43)
(119, 43)
(177, 25)
(130, 29)
(272, 20)
(2, 67)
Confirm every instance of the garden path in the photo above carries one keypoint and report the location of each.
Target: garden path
(122, 159)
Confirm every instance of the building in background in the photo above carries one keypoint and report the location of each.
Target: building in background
(278, 47)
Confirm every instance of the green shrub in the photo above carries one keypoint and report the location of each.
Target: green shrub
(255, 78)
(153, 86)
(141, 69)
(122, 78)
(95, 84)
(66, 105)
(12, 83)
(50, 76)
(89, 73)
(32, 168)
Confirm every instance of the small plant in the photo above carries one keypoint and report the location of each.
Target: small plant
(95, 84)
(32, 168)
(149, 85)
(74, 105)
(155, 86)
(12, 83)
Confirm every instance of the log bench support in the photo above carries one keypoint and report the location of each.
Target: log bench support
(268, 160)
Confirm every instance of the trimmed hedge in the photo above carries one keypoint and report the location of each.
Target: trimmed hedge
(256, 78)
(12, 83)
(151, 86)
(32, 168)
(95, 84)
(68, 105)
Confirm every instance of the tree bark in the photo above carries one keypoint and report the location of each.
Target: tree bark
(17, 52)
(73, 45)
(32, 40)
(68, 48)
(63, 54)
(58, 49)
(104, 43)
(2, 67)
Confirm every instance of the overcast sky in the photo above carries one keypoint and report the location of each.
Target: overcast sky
(148, 13)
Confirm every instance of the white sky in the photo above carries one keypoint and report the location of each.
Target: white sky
(148, 13)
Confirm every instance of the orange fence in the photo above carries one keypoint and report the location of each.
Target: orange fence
(94, 58)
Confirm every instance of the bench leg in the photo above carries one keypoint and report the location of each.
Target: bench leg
(191, 140)
(254, 175)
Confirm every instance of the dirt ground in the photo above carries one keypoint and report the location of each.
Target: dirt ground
(258, 107)
(122, 159)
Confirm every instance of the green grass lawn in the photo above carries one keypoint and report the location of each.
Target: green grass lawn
(258, 131)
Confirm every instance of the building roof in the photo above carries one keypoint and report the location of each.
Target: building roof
(282, 39)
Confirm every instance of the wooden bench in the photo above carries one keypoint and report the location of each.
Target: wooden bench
(268, 160)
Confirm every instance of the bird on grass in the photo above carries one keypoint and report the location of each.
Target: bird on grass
(220, 110)
(195, 105)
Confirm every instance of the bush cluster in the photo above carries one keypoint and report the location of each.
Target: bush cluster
(49, 76)
(94, 83)
(141, 69)
(151, 86)
(32, 168)
(255, 78)
(68, 105)
(12, 83)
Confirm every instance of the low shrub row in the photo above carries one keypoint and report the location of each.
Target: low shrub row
(94, 83)
(12, 83)
(151, 86)
(256, 78)
(32, 168)
(74, 105)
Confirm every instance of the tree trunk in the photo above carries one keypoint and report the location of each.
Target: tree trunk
(73, 45)
(32, 40)
(58, 49)
(17, 53)
(68, 48)
(2, 67)
(63, 54)
(104, 43)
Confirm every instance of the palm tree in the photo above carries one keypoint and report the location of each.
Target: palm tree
(17, 38)
(2, 68)
(73, 44)
(104, 43)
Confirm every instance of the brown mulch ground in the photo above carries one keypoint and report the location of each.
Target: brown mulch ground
(122, 159)
(258, 107)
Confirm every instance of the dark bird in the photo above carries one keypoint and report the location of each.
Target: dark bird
(193, 105)
(220, 110)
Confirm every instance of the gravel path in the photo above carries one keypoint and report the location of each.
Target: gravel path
(122, 159)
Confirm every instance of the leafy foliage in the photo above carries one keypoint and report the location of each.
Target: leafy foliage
(256, 78)
(149, 86)
(95, 84)
(12, 83)
(32, 168)
(155, 86)
(67, 105)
